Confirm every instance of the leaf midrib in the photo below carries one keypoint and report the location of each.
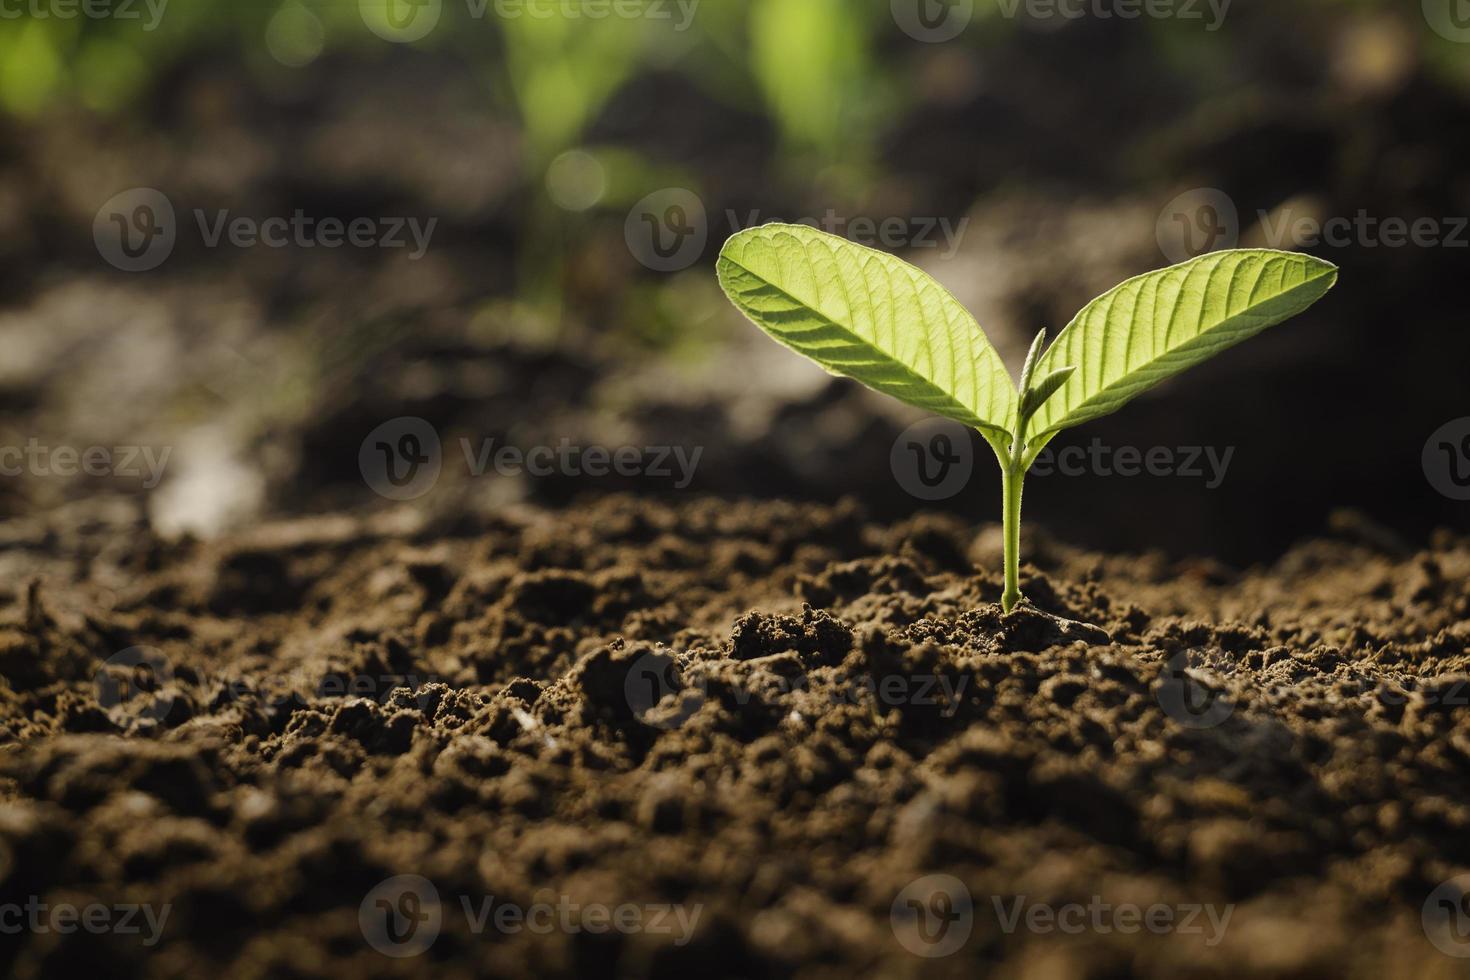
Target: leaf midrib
(1188, 346)
(972, 411)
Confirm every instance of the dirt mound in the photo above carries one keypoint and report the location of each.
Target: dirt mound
(729, 738)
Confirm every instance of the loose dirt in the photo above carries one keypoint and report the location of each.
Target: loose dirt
(781, 719)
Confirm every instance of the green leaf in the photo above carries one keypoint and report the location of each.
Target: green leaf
(1156, 325)
(869, 316)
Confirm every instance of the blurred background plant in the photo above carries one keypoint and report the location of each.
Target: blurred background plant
(1050, 147)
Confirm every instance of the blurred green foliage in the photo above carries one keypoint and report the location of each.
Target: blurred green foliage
(813, 64)
(830, 77)
(809, 64)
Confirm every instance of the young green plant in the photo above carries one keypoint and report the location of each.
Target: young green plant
(872, 317)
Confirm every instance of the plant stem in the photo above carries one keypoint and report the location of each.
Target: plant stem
(1013, 466)
(1012, 477)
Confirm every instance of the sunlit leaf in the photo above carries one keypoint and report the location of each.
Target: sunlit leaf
(1152, 327)
(869, 316)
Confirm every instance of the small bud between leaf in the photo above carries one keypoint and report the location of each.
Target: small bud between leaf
(1032, 357)
(1034, 398)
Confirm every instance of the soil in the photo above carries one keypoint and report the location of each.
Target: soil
(836, 709)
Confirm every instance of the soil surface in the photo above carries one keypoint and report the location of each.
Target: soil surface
(794, 740)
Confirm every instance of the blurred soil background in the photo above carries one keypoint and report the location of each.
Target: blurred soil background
(1055, 151)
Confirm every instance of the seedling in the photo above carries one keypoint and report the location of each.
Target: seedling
(872, 317)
